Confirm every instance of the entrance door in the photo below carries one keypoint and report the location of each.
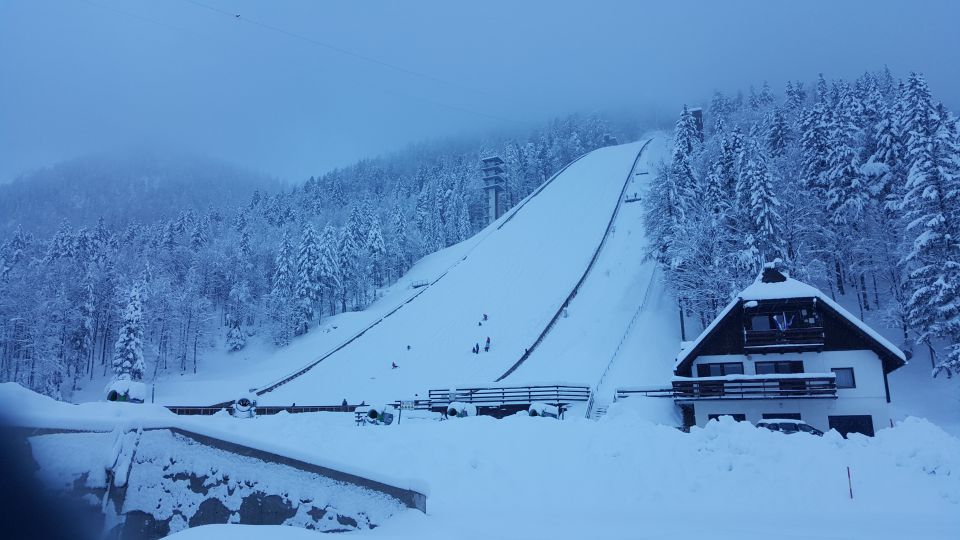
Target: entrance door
(860, 423)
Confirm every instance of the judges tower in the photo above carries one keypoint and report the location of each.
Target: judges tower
(493, 184)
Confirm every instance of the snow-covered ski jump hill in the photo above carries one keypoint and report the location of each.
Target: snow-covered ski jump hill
(576, 233)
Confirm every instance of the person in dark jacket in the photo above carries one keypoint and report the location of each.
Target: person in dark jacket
(486, 348)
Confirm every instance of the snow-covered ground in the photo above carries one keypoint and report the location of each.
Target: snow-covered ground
(526, 477)
(619, 477)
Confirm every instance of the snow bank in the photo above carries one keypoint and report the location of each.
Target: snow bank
(28, 409)
(654, 410)
(607, 478)
(603, 478)
(246, 532)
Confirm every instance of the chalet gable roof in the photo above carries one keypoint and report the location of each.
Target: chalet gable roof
(780, 287)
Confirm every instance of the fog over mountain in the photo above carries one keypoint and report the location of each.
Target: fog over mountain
(296, 88)
(135, 185)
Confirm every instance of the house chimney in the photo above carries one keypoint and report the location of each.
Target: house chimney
(772, 272)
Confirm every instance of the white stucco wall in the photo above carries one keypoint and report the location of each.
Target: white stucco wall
(869, 396)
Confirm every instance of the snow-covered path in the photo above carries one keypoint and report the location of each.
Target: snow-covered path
(538, 256)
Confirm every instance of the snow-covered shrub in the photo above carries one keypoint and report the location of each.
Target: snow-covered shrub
(458, 409)
(544, 409)
(126, 390)
(376, 414)
(236, 338)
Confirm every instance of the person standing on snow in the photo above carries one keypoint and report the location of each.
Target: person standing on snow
(486, 348)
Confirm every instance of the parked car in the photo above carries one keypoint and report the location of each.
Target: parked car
(789, 426)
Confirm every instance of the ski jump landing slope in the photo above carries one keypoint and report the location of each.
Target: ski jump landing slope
(622, 287)
(519, 275)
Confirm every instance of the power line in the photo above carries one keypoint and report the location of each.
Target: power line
(338, 49)
(135, 16)
(369, 59)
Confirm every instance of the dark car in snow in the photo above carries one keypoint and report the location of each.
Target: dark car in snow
(789, 426)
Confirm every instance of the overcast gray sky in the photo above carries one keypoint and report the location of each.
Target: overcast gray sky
(80, 76)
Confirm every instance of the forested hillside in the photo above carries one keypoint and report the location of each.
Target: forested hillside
(133, 185)
(153, 296)
(854, 185)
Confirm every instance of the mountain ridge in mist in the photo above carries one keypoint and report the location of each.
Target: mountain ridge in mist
(125, 186)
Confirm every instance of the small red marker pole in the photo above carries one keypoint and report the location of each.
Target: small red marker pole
(849, 482)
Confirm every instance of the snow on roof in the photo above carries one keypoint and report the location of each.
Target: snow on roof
(685, 351)
(792, 288)
(782, 290)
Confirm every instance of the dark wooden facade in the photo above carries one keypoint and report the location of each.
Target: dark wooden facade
(728, 336)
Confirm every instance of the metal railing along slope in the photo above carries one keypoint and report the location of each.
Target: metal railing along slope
(586, 272)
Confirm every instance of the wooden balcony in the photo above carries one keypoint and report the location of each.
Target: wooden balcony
(794, 386)
(798, 386)
(778, 340)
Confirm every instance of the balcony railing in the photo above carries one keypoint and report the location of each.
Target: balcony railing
(757, 387)
(804, 338)
(794, 386)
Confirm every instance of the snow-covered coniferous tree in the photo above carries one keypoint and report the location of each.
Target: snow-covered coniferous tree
(308, 288)
(128, 350)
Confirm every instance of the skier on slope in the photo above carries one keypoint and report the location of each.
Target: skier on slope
(486, 348)
(394, 364)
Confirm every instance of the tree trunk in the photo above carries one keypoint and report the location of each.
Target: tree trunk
(683, 328)
(863, 293)
(876, 292)
(196, 338)
(103, 347)
(839, 276)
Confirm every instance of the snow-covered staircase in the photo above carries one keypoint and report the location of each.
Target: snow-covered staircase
(599, 411)
(598, 407)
